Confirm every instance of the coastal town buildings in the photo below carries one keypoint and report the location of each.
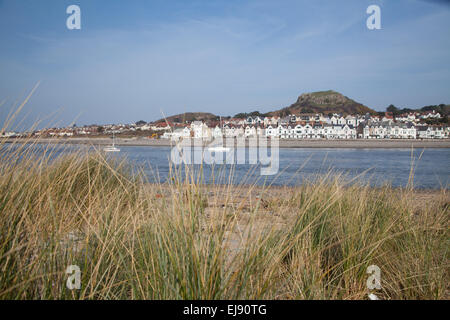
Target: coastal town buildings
(318, 126)
(413, 125)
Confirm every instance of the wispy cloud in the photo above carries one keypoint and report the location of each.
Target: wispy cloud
(257, 54)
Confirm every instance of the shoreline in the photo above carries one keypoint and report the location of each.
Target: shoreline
(285, 143)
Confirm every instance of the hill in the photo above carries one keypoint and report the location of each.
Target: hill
(323, 102)
(190, 116)
(443, 109)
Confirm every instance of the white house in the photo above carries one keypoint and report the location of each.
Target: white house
(271, 132)
(178, 133)
(8, 134)
(217, 132)
(351, 120)
(335, 119)
(250, 131)
(271, 121)
(438, 132)
(431, 115)
(201, 130)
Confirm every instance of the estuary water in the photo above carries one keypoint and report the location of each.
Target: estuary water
(299, 165)
(377, 166)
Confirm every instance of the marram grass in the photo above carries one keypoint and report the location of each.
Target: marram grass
(187, 240)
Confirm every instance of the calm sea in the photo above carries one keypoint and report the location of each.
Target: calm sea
(377, 166)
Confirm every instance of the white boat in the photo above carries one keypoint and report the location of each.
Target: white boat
(111, 148)
(218, 149)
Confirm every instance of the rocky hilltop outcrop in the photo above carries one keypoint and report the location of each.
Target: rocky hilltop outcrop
(324, 102)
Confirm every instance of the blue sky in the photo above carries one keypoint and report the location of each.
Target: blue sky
(134, 59)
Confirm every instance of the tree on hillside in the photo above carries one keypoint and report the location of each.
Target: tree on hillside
(244, 115)
(306, 110)
(442, 109)
(392, 109)
(240, 115)
(256, 114)
(141, 123)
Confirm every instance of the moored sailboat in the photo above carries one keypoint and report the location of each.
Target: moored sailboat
(111, 148)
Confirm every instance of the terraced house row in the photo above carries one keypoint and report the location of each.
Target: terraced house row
(315, 131)
(404, 131)
(374, 130)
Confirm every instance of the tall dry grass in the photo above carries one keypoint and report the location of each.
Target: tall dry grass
(186, 240)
